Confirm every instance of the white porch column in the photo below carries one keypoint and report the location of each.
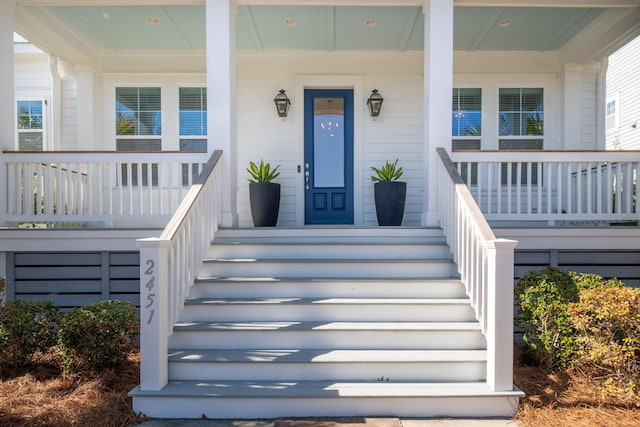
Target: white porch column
(89, 108)
(7, 94)
(500, 258)
(7, 81)
(571, 99)
(438, 86)
(221, 98)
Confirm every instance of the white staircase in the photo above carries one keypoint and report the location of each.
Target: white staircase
(327, 322)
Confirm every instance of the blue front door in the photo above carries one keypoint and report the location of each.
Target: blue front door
(328, 156)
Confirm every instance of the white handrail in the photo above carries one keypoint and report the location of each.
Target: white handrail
(553, 186)
(97, 186)
(485, 264)
(168, 268)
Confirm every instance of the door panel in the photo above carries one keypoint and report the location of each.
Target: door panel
(328, 156)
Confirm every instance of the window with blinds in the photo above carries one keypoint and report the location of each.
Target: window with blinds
(193, 111)
(521, 114)
(193, 127)
(138, 111)
(466, 128)
(612, 114)
(467, 113)
(521, 127)
(30, 125)
(138, 128)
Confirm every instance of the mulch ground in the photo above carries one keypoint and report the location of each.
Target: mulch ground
(40, 396)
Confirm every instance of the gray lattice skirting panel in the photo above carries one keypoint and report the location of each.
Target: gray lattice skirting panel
(625, 265)
(71, 279)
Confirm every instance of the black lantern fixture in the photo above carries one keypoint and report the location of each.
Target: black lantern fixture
(375, 103)
(282, 104)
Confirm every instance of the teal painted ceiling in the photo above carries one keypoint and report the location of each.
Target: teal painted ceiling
(318, 27)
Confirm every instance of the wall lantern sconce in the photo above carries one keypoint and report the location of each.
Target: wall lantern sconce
(282, 104)
(375, 103)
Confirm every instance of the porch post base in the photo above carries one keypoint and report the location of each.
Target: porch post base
(229, 219)
(430, 219)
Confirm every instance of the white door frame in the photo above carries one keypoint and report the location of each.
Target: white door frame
(354, 82)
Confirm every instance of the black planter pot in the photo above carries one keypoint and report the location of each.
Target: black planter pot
(265, 203)
(390, 198)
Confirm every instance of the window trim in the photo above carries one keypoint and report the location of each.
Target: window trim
(545, 113)
(43, 130)
(616, 115)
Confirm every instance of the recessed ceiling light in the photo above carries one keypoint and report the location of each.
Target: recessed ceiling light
(370, 22)
(290, 22)
(505, 23)
(152, 20)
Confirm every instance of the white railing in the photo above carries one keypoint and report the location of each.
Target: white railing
(168, 268)
(102, 187)
(485, 264)
(553, 186)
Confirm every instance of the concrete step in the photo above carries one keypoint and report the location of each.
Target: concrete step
(338, 335)
(273, 399)
(251, 287)
(326, 364)
(327, 309)
(374, 249)
(329, 268)
(323, 234)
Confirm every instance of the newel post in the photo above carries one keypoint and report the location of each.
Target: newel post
(154, 311)
(500, 258)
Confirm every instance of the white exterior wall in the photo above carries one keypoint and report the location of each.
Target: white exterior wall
(567, 127)
(589, 111)
(169, 85)
(33, 83)
(397, 133)
(69, 117)
(623, 83)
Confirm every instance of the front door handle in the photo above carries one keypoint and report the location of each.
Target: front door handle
(306, 180)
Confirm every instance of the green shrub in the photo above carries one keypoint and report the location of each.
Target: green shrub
(26, 327)
(542, 297)
(98, 336)
(607, 321)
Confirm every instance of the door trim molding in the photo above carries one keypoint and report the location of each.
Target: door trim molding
(303, 82)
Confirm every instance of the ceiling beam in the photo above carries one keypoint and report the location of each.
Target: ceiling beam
(409, 25)
(54, 37)
(607, 33)
(466, 3)
(253, 31)
(489, 25)
(331, 29)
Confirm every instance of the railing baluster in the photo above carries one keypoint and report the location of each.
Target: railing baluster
(509, 186)
(589, 189)
(628, 187)
(539, 186)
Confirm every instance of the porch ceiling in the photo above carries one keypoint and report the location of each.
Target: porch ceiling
(171, 27)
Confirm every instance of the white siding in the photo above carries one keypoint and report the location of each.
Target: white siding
(33, 82)
(588, 111)
(623, 79)
(397, 133)
(69, 121)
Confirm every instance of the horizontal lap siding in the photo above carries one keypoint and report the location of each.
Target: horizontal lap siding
(624, 265)
(71, 279)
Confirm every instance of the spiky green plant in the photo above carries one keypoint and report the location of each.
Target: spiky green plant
(388, 173)
(262, 172)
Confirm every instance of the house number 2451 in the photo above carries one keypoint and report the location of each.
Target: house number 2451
(150, 300)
